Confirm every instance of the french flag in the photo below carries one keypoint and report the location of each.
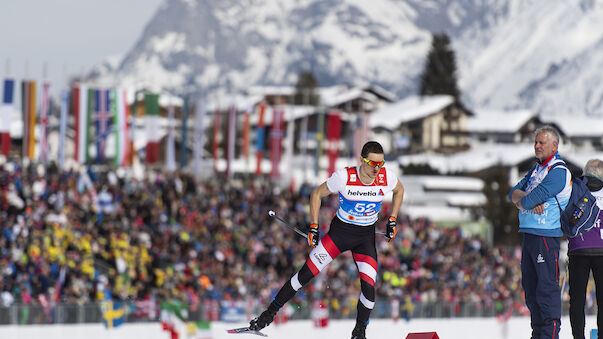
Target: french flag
(6, 111)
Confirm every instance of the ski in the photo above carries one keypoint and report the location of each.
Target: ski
(246, 330)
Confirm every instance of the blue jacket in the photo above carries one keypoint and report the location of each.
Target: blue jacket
(543, 185)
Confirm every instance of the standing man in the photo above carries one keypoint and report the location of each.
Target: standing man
(536, 197)
(586, 255)
(361, 190)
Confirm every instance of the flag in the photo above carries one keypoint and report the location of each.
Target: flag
(131, 123)
(28, 107)
(289, 136)
(113, 312)
(304, 144)
(320, 126)
(63, 127)
(246, 135)
(199, 330)
(102, 121)
(120, 118)
(173, 318)
(146, 308)
(276, 136)
(44, 123)
(6, 112)
(80, 112)
(199, 135)
(361, 133)
(184, 133)
(216, 138)
(151, 103)
(333, 134)
(170, 154)
(230, 144)
(259, 139)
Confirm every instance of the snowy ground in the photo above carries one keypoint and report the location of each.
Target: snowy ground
(465, 328)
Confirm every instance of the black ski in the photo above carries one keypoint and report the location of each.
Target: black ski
(246, 330)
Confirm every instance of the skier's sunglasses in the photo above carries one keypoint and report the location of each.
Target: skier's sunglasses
(374, 163)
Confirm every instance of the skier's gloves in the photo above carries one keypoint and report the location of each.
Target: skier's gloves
(391, 229)
(313, 235)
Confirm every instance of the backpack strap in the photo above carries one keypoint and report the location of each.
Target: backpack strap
(562, 165)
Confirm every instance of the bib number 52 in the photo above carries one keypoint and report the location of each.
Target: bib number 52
(365, 208)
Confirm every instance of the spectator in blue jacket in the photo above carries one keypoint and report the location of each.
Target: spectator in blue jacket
(537, 196)
(586, 255)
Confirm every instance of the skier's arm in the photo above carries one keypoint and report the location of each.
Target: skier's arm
(317, 194)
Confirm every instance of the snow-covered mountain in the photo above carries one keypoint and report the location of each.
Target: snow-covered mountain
(540, 54)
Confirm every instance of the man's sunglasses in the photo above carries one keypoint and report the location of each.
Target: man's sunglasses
(374, 163)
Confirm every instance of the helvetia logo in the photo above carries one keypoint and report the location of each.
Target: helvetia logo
(363, 194)
(381, 192)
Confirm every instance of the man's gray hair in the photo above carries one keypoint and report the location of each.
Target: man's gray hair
(594, 168)
(550, 130)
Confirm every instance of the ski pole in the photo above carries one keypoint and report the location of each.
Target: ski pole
(272, 214)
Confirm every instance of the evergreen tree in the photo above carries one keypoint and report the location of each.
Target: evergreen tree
(498, 210)
(306, 89)
(440, 74)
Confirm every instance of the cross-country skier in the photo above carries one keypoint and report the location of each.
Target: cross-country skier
(361, 190)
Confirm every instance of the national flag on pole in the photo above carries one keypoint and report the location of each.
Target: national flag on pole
(246, 134)
(80, 112)
(120, 118)
(230, 147)
(44, 122)
(63, 127)
(184, 133)
(6, 112)
(320, 126)
(303, 144)
(289, 137)
(361, 133)
(199, 136)
(259, 139)
(216, 140)
(173, 318)
(333, 134)
(151, 103)
(170, 154)
(102, 121)
(276, 137)
(28, 107)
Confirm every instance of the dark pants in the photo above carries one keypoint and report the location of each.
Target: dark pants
(579, 269)
(540, 281)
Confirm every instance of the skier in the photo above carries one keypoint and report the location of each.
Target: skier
(361, 190)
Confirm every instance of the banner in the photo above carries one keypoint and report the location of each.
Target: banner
(44, 123)
(6, 112)
(333, 134)
(230, 144)
(259, 139)
(63, 127)
(151, 104)
(276, 136)
(113, 313)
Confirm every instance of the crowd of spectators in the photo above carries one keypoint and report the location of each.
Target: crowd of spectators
(82, 236)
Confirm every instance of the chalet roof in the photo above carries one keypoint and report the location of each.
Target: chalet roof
(409, 109)
(571, 126)
(497, 121)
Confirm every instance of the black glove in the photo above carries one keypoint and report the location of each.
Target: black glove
(313, 235)
(391, 231)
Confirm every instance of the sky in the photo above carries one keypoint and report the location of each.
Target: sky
(69, 36)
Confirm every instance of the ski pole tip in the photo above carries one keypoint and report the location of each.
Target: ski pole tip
(271, 213)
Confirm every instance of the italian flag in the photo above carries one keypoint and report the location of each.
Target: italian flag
(121, 127)
(151, 103)
(6, 111)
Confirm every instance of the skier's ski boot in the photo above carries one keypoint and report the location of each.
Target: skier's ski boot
(359, 332)
(262, 321)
